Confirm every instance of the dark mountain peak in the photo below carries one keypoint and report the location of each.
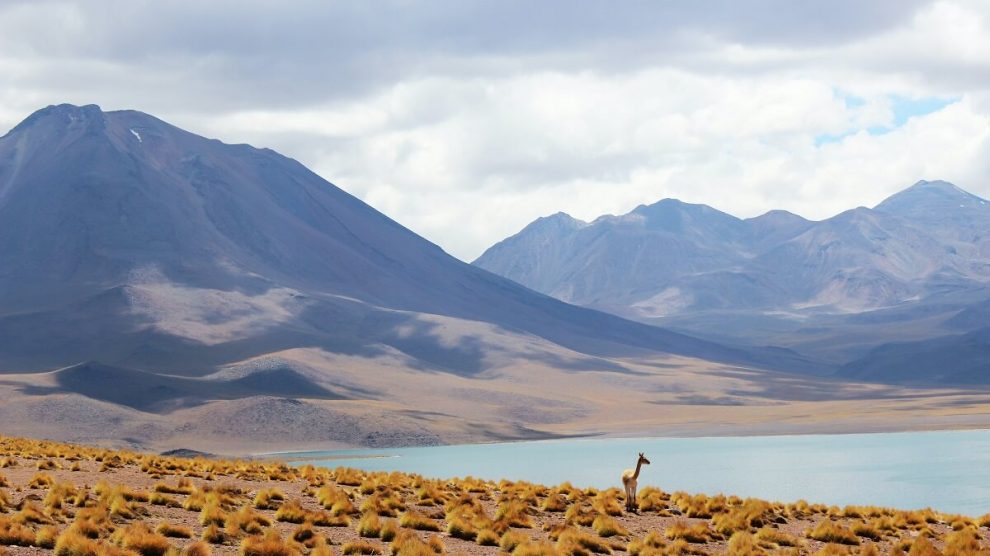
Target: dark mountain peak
(61, 116)
(926, 196)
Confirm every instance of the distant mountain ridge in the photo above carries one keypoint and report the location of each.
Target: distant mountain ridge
(664, 258)
(771, 278)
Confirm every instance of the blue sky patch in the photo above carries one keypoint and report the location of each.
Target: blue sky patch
(904, 109)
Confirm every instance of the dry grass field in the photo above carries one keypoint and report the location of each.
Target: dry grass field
(83, 501)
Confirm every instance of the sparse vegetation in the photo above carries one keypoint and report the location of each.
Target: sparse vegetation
(54, 497)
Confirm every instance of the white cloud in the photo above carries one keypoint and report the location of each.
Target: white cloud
(465, 131)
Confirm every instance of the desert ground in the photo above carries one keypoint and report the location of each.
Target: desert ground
(520, 396)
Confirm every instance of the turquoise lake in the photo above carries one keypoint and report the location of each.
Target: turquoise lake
(945, 470)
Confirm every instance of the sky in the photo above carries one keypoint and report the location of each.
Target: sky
(465, 120)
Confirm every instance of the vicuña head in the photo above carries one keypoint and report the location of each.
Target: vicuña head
(642, 459)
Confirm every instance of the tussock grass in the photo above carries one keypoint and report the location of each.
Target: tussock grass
(361, 547)
(828, 531)
(291, 512)
(183, 486)
(268, 499)
(408, 543)
(213, 535)
(741, 543)
(176, 531)
(71, 543)
(651, 499)
(46, 537)
(697, 533)
(513, 514)
(13, 533)
(650, 545)
(607, 526)
(535, 548)
(769, 535)
(866, 531)
(335, 500)
(962, 542)
(743, 517)
(487, 537)
(512, 539)
(269, 544)
(198, 548)
(578, 543)
(607, 502)
(460, 528)
(415, 520)
(41, 481)
(139, 538)
(555, 502)
(370, 525)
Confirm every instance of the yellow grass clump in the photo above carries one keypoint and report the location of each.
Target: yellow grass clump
(828, 531)
(693, 533)
(415, 520)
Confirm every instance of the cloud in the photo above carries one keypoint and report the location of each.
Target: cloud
(466, 120)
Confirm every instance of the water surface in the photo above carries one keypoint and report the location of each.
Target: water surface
(945, 470)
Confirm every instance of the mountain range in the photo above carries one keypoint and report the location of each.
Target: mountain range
(162, 290)
(859, 290)
(147, 269)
